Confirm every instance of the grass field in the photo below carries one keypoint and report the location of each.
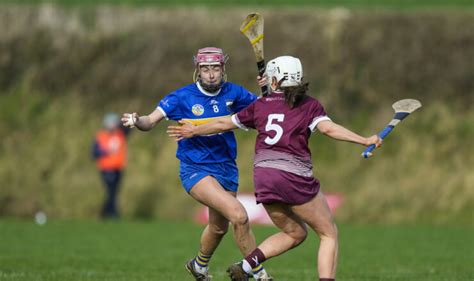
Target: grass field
(157, 250)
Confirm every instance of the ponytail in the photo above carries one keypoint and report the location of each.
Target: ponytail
(295, 94)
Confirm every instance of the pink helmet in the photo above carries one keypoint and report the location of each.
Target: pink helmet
(209, 56)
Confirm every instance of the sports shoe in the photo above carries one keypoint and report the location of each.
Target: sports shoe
(263, 277)
(198, 276)
(237, 273)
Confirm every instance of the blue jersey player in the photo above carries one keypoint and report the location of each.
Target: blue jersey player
(208, 170)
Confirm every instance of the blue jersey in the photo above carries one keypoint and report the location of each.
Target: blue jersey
(194, 104)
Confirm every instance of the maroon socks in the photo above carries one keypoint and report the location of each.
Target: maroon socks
(255, 258)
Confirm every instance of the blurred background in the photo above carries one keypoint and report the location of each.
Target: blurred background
(66, 63)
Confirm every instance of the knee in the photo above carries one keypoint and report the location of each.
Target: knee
(239, 217)
(298, 236)
(330, 232)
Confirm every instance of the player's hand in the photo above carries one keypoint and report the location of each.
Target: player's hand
(181, 132)
(130, 119)
(262, 80)
(375, 139)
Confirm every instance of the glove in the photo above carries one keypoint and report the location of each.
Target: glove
(130, 119)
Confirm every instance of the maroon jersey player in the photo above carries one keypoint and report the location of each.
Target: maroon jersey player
(283, 177)
(281, 148)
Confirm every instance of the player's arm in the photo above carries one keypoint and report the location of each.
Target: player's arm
(188, 130)
(338, 132)
(143, 123)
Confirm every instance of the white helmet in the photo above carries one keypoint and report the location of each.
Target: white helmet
(285, 67)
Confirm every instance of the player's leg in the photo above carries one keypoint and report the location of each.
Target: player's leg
(211, 237)
(210, 193)
(214, 232)
(206, 183)
(317, 215)
(293, 232)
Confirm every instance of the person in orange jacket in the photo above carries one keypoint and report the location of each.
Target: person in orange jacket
(110, 153)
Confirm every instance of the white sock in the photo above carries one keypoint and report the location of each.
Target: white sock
(246, 266)
(200, 269)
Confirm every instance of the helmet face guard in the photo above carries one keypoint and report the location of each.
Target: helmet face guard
(287, 71)
(210, 56)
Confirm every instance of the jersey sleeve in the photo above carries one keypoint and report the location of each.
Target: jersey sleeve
(244, 98)
(317, 114)
(169, 106)
(244, 119)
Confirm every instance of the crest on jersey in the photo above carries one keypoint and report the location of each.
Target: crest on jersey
(197, 109)
(228, 104)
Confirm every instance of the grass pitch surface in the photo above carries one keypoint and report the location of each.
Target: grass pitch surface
(157, 250)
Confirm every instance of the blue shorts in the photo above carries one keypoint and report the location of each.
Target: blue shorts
(225, 173)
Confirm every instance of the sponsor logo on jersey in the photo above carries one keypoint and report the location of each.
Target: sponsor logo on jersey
(197, 109)
(213, 102)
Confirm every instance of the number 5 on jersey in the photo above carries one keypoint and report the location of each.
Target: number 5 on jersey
(274, 127)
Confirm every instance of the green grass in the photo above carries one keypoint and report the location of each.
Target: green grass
(157, 250)
(390, 4)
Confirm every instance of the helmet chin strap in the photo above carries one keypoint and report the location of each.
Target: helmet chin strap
(211, 88)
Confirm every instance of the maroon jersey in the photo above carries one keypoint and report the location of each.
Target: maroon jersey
(283, 133)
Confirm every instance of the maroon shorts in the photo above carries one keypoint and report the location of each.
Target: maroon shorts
(277, 186)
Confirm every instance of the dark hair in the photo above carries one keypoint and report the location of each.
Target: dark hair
(294, 95)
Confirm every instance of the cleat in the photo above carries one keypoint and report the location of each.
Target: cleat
(198, 276)
(237, 273)
(263, 277)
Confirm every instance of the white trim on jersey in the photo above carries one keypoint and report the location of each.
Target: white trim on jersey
(163, 112)
(316, 121)
(237, 123)
(206, 92)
